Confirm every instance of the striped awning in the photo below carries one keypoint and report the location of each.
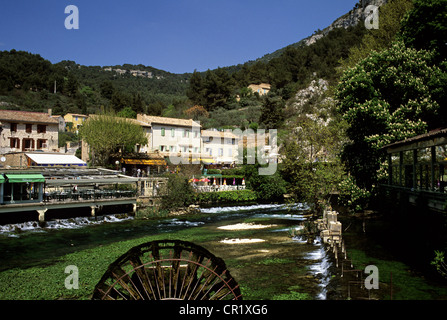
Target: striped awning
(146, 162)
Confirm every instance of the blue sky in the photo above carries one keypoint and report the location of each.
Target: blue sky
(173, 35)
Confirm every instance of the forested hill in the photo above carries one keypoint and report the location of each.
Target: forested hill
(30, 82)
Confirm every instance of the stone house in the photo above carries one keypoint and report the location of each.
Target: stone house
(262, 88)
(27, 131)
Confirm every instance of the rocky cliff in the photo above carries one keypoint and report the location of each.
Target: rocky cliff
(356, 15)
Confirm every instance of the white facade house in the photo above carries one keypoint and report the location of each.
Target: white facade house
(222, 146)
(172, 136)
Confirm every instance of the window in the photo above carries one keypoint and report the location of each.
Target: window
(221, 152)
(41, 128)
(423, 168)
(186, 134)
(27, 144)
(41, 144)
(14, 143)
(29, 128)
(196, 134)
(395, 169)
(172, 148)
(173, 132)
(441, 168)
(13, 127)
(162, 132)
(408, 168)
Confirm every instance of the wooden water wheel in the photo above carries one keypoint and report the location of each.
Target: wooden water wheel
(167, 270)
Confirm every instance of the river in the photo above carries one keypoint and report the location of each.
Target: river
(255, 242)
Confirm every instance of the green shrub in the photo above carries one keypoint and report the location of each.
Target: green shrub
(226, 196)
(178, 193)
(213, 171)
(352, 196)
(233, 172)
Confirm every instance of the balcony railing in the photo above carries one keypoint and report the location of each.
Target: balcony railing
(88, 194)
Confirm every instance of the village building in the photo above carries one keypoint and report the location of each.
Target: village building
(220, 147)
(27, 131)
(61, 121)
(172, 136)
(262, 88)
(74, 121)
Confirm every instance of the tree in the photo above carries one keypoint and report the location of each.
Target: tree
(391, 15)
(272, 115)
(218, 88)
(107, 89)
(106, 133)
(179, 192)
(71, 85)
(127, 112)
(425, 27)
(119, 101)
(196, 112)
(311, 165)
(137, 103)
(196, 90)
(385, 98)
(267, 187)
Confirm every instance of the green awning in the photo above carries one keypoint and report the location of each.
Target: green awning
(22, 178)
(2, 178)
(212, 175)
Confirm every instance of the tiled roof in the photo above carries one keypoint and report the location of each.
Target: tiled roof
(213, 133)
(26, 116)
(138, 122)
(77, 115)
(167, 121)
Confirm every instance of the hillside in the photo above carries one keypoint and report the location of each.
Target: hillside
(350, 19)
(28, 81)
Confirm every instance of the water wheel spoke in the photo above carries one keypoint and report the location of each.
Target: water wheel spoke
(142, 276)
(167, 270)
(126, 283)
(210, 278)
(176, 268)
(185, 273)
(191, 278)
